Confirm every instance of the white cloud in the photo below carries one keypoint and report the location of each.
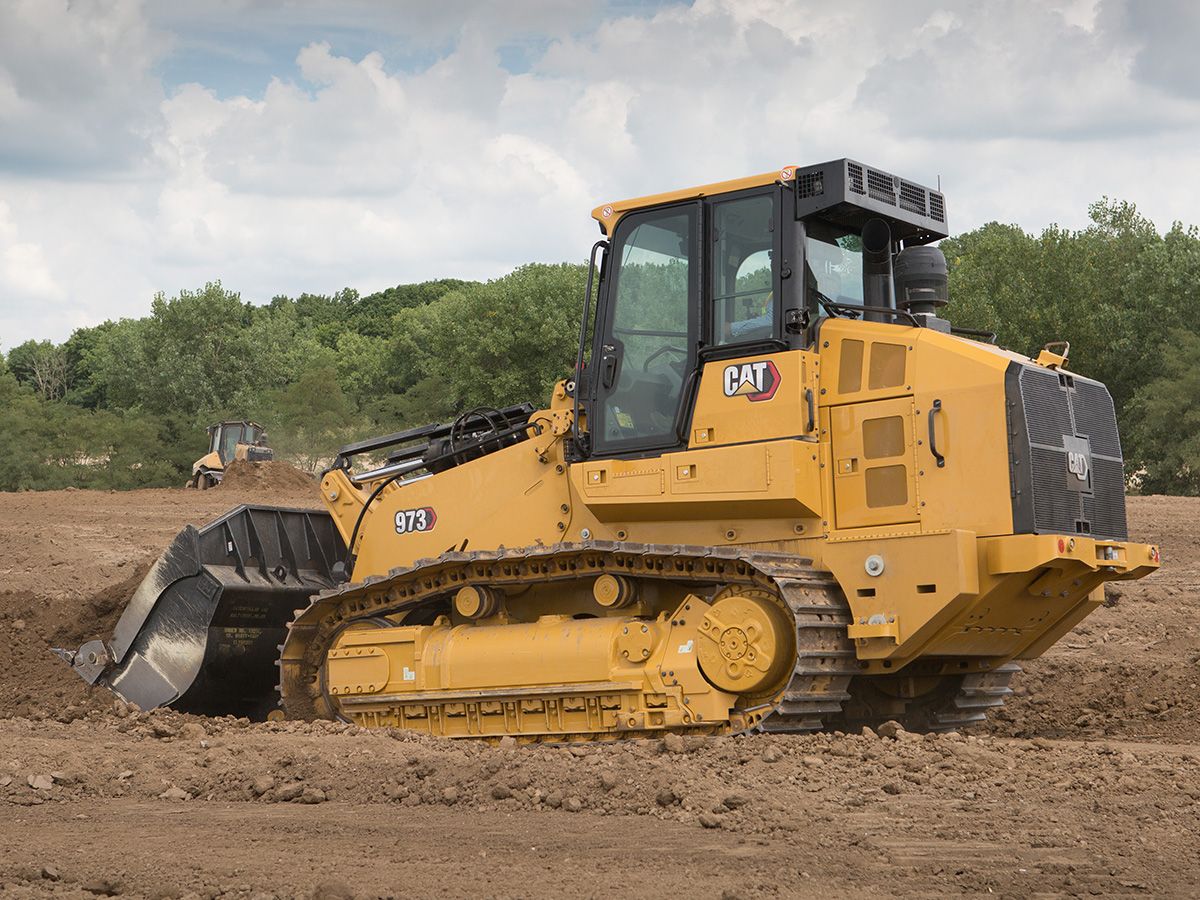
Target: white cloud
(1029, 73)
(349, 168)
(23, 269)
(77, 94)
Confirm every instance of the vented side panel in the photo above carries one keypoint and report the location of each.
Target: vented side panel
(881, 187)
(913, 197)
(810, 184)
(854, 170)
(937, 207)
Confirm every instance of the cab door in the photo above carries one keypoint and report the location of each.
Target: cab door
(647, 333)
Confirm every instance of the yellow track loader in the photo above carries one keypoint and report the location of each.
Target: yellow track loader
(228, 441)
(780, 492)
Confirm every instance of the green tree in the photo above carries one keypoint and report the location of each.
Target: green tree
(1113, 289)
(42, 365)
(498, 343)
(85, 389)
(311, 418)
(1164, 421)
(196, 353)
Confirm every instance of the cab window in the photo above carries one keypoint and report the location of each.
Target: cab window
(834, 261)
(744, 265)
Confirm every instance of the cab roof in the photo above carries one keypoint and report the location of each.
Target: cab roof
(609, 213)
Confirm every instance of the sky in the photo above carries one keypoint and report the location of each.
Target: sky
(284, 146)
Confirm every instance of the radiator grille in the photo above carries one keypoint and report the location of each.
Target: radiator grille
(1096, 418)
(1059, 425)
(1107, 518)
(1053, 510)
(1047, 414)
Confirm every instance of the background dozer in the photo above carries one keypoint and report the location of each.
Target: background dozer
(228, 441)
(780, 492)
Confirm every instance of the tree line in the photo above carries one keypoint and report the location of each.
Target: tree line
(124, 404)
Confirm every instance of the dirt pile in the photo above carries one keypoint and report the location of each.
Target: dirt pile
(35, 679)
(273, 475)
(71, 560)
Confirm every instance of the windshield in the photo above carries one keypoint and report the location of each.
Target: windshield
(835, 262)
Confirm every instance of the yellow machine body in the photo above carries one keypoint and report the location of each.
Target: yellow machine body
(956, 582)
(802, 502)
(956, 587)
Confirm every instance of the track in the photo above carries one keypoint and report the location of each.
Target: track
(824, 660)
(976, 694)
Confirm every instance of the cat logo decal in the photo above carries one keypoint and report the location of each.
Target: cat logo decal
(755, 380)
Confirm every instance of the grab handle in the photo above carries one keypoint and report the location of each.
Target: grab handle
(933, 411)
(812, 411)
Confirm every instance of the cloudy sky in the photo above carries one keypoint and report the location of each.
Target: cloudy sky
(284, 145)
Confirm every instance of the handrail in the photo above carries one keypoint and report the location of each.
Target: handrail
(836, 306)
(583, 323)
(975, 332)
(933, 411)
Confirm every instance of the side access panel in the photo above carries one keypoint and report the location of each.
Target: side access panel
(874, 482)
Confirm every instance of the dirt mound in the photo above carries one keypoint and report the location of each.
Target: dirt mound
(71, 560)
(37, 680)
(274, 475)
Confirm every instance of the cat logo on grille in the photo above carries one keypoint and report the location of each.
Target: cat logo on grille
(1079, 463)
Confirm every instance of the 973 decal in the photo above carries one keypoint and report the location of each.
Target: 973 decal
(755, 381)
(412, 520)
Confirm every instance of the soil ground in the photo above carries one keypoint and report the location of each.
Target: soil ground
(1087, 783)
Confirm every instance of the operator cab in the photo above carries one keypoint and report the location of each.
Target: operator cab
(224, 438)
(736, 269)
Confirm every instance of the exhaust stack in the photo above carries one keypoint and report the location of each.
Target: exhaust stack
(877, 268)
